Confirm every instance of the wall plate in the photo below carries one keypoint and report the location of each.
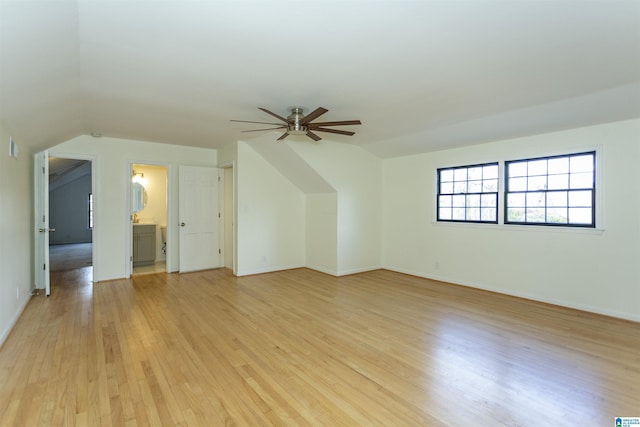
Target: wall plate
(13, 148)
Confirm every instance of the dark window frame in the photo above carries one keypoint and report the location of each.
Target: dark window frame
(495, 194)
(546, 191)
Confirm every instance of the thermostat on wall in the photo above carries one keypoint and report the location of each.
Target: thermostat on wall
(13, 148)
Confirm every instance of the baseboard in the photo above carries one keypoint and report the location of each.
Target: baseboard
(358, 270)
(523, 295)
(240, 273)
(13, 322)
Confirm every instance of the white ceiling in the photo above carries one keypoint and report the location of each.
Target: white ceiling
(421, 75)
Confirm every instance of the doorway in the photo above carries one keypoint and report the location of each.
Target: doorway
(149, 242)
(70, 214)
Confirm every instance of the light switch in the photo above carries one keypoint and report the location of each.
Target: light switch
(13, 148)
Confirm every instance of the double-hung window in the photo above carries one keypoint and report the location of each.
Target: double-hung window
(468, 193)
(555, 190)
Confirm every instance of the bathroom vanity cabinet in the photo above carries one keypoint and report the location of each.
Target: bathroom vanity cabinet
(144, 244)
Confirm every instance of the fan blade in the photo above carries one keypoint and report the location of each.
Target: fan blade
(262, 123)
(313, 136)
(258, 130)
(313, 115)
(284, 135)
(341, 132)
(339, 123)
(273, 114)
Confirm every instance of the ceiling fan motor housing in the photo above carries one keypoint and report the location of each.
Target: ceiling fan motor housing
(294, 127)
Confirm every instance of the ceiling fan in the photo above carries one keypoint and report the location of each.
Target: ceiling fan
(297, 123)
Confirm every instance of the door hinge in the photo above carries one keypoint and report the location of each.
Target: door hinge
(220, 251)
(218, 179)
(44, 266)
(43, 170)
(218, 214)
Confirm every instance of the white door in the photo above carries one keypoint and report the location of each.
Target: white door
(41, 213)
(199, 217)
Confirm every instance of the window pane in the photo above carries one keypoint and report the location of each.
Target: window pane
(581, 163)
(446, 175)
(460, 174)
(490, 186)
(444, 201)
(557, 215)
(458, 200)
(515, 214)
(446, 188)
(518, 169)
(458, 214)
(580, 198)
(488, 200)
(517, 184)
(558, 182)
(474, 187)
(516, 200)
(537, 167)
(580, 215)
(581, 180)
(557, 198)
(535, 215)
(490, 172)
(537, 183)
(475, 173)
(473, 200)
(535, 199)
(445, 213)
(558, 165)
(473, 214)
(488, 214)
(460, 187)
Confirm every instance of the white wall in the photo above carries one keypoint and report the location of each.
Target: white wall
(270, 216)
(594, 270)
(113, 158)
(322, 232)
(356, 176)
(16, 216)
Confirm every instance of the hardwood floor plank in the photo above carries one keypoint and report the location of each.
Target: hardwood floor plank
(303, 348)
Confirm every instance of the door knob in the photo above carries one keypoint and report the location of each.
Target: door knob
(182, 224)
(42, 230)
(52, 230)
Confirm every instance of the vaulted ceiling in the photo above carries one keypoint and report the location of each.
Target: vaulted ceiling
(421, 75)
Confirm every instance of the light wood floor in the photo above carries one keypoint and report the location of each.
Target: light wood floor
(303, 348)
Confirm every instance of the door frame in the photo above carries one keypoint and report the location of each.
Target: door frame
(170, 267)
(41, 202)
(234, 234)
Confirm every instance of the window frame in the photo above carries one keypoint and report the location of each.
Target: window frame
(546, 191)
(495, 193)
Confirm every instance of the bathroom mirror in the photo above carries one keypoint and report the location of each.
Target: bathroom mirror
(138, 197)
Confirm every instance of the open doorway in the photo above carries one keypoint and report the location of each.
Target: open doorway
(70, 215)
(149, 248)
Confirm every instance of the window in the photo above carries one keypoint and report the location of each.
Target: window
(468, 193)
(557, 190)
(90, 210)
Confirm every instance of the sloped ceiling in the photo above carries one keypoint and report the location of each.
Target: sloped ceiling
(421, 75)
